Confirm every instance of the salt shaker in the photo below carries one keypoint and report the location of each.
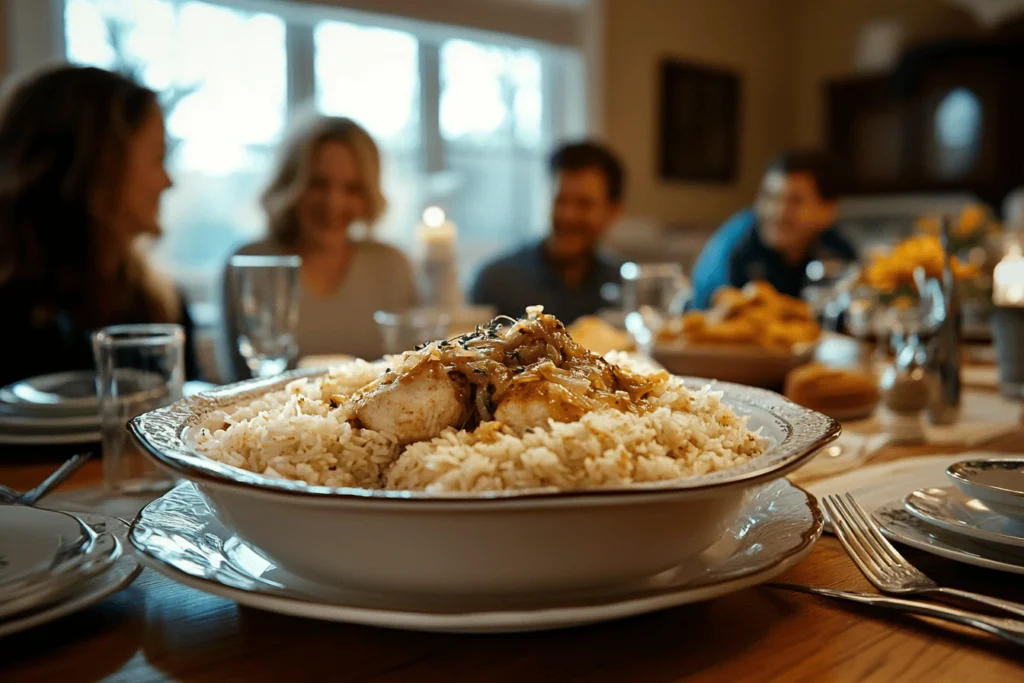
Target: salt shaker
(906, 391)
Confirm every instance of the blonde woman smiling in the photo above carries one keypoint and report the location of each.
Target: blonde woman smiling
(327, 180)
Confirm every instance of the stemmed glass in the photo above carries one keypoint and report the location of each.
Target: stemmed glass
(402, 331)
(266, 292)
(652, 293)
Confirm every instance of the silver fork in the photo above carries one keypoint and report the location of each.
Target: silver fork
(9, 496)
(882, 564)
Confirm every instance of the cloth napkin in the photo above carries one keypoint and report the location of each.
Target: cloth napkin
(984, 416)
(981, 376)
(849, 451)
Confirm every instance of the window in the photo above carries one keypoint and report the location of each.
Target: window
(464, 119)
(221, 74)
(957, 133)
(383, 94)
(492, 129)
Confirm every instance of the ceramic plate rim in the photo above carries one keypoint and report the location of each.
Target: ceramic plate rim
(6, 438)
(958, 526)
(52, 377)
(504, 621)
(160, 434)
(955, 472)
(30, 422)
(77, 601)
(64, 536)
(556, 618)
(943, 549)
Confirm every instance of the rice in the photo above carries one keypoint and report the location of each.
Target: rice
(301, 433)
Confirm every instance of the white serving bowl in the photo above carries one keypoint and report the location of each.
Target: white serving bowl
(502, 542)
(743, 364)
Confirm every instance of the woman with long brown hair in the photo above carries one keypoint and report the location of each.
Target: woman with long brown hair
(81, 174)
(326, 182)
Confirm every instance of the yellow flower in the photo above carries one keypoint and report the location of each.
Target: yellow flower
(928, 225)
(972, 219)
(888, 272)
(902, 302)
(963, 271)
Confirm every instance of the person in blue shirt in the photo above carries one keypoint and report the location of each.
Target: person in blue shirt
(565, 272)
(791, 224)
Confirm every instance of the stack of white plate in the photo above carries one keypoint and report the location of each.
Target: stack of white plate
(978, 520)
(61, 408)
(53, 563)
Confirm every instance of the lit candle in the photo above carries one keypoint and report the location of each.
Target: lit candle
(1008, 279)
(436, 236)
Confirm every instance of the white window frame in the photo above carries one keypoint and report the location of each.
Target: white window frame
(35, 37)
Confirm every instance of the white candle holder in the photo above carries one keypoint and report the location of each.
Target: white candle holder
(1008, 322)
(437, 237)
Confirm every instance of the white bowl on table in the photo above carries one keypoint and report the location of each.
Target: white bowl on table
(511, 542)
(997, 482)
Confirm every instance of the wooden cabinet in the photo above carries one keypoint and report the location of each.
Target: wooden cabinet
(950, 118)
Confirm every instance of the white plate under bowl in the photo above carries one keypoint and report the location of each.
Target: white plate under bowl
(900, 525)
(31, 538)
(997, 482)
(121, 573)
(506, 542)
(952, 510)
(775, 530)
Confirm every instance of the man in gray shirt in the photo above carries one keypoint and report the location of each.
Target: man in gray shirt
(565, 271)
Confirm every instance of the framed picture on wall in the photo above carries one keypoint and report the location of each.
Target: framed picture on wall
(699, 128)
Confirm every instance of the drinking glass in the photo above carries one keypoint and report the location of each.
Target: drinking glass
(829, 290)
(138, 368)
(266, 291)
(652, 293)
(402, 331)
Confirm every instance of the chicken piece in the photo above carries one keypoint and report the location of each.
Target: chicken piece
(728, 300)
(738, 331)
(531, 404)
(794, 309)
(757, 291)
(414, 405)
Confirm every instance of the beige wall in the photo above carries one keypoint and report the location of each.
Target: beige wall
(784, 50)
(829, 31)
(753, 37)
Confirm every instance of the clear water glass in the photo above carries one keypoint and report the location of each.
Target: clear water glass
(402, 331)
(266, 292)
(652, 293)
(138, 368)
(829, 291)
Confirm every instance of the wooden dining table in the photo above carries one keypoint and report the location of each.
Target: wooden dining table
(157, 629)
